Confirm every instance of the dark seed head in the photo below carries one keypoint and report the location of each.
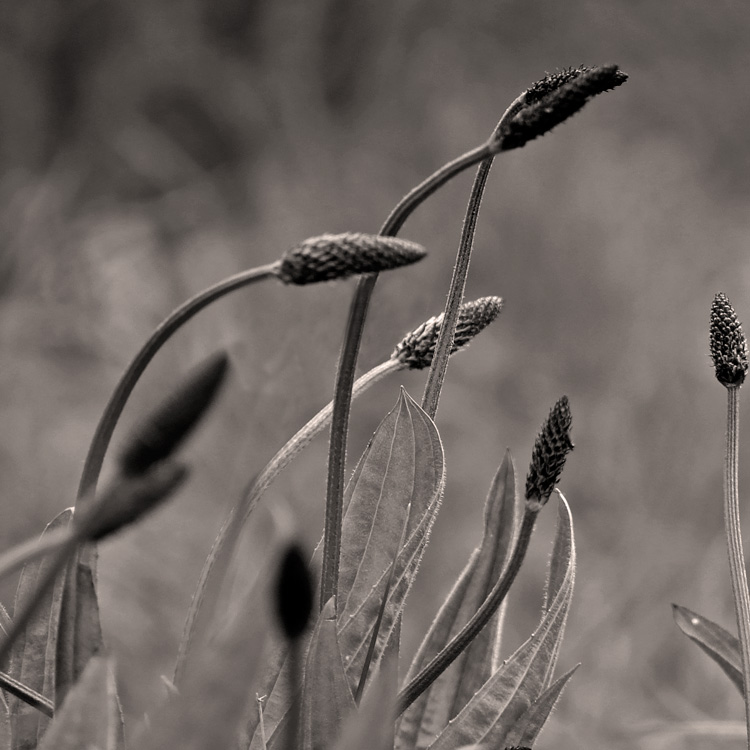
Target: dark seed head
(551, 447)
(417, 348)
(294, 593)
(127, 500)
(728, 343)
(162, 431)
(337, 256)
(553, 100)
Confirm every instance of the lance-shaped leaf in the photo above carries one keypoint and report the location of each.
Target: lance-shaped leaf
(504, 698)
(718, 643)
(214, 695)
(90, 716)
(327, 699)
(432, 711)
(6, 738)
(402, 472)
(33, 658)
(525, 731)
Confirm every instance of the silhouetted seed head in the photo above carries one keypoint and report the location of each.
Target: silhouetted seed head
(294, 593)
(129, 498)
(162, 431)
(336, 256)
(417, 348)
(551, 447)
(557, 105)
(728, 343)
(551, 81)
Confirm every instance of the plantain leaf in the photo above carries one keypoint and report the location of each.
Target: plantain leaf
(79, 634)
(214, 694)
(402, 471)
(327, 699)
(719, 644)
(33, 656)
(503, 699)
(5, 735)
(432, 711)
(370, 728)
(527, 728)
(90, 716)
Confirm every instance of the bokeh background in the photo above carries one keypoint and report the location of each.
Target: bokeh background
(149, 148)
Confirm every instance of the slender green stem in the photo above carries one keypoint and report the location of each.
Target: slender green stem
(444, 344)
(348, 362)
(481, 617)
(26, 694)
(100, 442)
(737, 569)
(28, 551)
(209, 584)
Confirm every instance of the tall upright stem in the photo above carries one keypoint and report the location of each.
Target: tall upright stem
(737, 568)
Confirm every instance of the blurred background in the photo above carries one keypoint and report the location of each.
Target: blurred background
(149, 148)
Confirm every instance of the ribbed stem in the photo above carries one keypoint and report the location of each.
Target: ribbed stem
(737, 569)
(100, 442)
(348, 362)
(439, 365)
(215, 566)
(26, 694)
(466, 635)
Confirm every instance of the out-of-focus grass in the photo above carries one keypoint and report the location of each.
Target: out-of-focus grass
(149, 149)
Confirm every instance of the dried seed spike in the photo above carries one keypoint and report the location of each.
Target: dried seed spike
(129, 498)
(728, 344)
(552, 445)
(557, 106)
(162, 431)
(294, 593)
(336, 256)
(551, 82)
(417, 348)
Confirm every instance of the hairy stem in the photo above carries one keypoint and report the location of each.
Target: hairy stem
(737, 569)
(348, 362)
(481, 617)
(100, 442)
(209, 584)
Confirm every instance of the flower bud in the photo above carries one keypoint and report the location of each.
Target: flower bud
(162, 431)
(417, 348)
(337, 256)
(551, 447)
(727, 342)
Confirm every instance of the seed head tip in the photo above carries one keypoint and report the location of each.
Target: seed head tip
(727, 343)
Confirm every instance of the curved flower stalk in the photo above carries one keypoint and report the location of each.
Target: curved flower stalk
(324, 258)
(414, 352)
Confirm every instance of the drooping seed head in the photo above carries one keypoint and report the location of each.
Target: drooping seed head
(337, 256)
(551, 447)
(168, 425)
(555, 100)
(551, 81)
(127, 500)
(294, 593)
(728, 344)
(417, 348)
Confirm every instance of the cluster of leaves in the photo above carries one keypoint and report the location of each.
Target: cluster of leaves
(326, 676)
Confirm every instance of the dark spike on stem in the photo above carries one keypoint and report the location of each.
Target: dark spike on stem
(294, 593)
(728, 343)
(551, 447)
(129, 498)
(417, 348)
(556, 106)
(551, 82)
(170, 423)
(337, 256)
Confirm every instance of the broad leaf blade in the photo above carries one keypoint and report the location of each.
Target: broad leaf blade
(403, 471)
(90, 716)
(327, 699)
(33, 657)
(432, 711)
(718, 643)
(525, 731)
